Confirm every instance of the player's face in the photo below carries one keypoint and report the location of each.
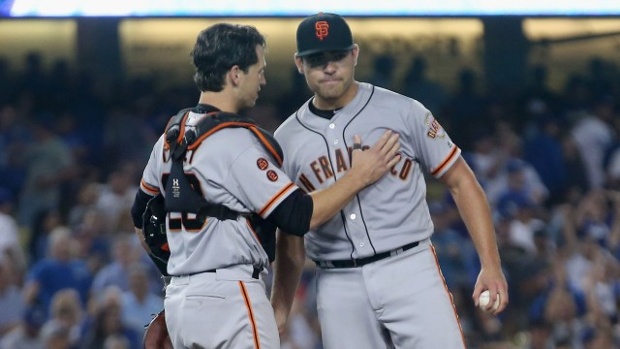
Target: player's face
(251, 82)
(330, 76)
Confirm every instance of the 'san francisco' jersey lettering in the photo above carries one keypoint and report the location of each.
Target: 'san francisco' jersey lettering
(322, 168)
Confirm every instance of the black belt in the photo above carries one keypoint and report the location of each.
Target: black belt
(255, 273)
(352, 263)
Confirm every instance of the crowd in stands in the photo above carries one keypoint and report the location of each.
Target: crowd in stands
(73, 275)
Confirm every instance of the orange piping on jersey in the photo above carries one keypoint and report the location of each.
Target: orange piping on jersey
(446, 161)
(248, 305)
(215, 129)
(247, 221)
(445, 286)
(275, 198)
(149, 188)
(267, 145)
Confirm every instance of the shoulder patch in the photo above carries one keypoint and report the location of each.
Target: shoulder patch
(434, 128)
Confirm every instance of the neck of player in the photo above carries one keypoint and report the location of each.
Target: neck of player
(338, 102)
(221, 100)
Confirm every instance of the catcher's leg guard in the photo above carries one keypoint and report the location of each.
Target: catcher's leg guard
(156, 333)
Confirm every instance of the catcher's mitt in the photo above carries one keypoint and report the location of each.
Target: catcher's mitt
(156, 333)
(154, 228)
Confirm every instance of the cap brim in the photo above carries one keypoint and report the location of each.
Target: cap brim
(319, 50)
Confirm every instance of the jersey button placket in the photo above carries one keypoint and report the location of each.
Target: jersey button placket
(332, 128)
(359, 236)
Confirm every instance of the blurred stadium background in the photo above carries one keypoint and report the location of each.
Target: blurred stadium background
(530, 92)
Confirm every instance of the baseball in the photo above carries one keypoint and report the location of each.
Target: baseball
(484, 299)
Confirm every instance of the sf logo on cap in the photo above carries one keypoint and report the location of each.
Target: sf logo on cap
(322, 29)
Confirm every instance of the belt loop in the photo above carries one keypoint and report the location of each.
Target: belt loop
(325, 264)
(256, 273)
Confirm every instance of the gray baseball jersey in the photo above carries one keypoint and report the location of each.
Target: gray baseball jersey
(229, 167)
(392, 212)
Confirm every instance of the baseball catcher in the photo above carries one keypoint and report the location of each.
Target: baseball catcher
(154, 216)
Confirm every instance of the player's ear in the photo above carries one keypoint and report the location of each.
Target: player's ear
(234, 75)
(355, 52)
(299, 64)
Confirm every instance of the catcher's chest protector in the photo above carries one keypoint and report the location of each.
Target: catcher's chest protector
(179, 195)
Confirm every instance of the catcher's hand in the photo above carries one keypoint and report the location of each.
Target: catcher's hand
(156, 333)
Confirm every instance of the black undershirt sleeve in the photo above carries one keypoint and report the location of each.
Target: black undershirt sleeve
(139, 205)
(293, 214)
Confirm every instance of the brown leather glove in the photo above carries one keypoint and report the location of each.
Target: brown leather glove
(156, 333)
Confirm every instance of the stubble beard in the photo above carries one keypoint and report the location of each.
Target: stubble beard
(331, 93)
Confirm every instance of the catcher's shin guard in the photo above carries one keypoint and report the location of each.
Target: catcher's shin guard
(156, 333)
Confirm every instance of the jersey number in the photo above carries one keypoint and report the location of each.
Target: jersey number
(190, 224)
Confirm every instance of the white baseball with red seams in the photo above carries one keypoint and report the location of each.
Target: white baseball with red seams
(485, 298)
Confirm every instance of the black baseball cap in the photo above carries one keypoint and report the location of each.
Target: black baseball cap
(323, 32)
